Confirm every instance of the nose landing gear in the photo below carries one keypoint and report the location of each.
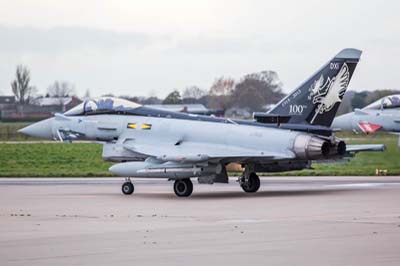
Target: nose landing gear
(127, 187)
(182, 187)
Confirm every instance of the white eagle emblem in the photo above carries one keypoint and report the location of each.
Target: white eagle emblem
(325, 94)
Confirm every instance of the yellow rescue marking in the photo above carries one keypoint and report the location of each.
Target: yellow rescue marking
(131, 125)
(146, 126)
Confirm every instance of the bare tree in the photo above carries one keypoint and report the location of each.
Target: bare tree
(61, 89)
(193, 92)
(222, 86)
(220, 93)
(20, 86)
(256, 90)
(32, 95)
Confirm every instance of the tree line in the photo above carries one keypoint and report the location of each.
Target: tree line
(253, 92)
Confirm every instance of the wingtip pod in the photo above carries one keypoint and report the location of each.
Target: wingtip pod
(349, 53)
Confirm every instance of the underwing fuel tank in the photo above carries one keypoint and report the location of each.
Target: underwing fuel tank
(164, 170)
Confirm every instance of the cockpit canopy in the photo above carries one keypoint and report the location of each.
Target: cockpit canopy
(392, 101)
(104, 105)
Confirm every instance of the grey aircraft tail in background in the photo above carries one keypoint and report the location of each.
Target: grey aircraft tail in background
(153, 143)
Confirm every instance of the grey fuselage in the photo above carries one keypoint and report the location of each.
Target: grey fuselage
(169, 131)
(152, 143)
(388, 119)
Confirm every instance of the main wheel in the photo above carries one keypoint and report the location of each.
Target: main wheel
(183, 187)
(252, 185)
(127, 188)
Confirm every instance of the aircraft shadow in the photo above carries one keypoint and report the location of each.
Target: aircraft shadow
(241, 194)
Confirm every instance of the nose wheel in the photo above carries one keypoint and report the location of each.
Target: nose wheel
(127, 187)
(183, 187)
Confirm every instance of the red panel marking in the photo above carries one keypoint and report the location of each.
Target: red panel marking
(367, 127)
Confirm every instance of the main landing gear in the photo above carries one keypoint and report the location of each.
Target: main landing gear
(127, 187)
(183, 187)
(249, 181)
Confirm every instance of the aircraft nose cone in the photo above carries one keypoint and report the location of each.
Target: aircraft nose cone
(42, 129)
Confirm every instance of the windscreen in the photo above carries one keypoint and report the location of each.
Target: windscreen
(103, 106)
(392, 101)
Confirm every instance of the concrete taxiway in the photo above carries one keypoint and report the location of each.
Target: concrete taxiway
(290, 221)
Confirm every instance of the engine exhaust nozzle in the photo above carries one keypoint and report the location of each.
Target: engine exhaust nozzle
(309, 147)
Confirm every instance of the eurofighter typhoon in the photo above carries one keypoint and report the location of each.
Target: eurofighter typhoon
(382, 115)
(152, 143)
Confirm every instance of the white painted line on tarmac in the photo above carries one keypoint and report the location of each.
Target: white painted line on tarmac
(363, 185)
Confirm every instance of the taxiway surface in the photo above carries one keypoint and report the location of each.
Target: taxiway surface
(290, 221)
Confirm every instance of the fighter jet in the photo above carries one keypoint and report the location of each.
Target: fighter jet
(154, 143)
(382, 115)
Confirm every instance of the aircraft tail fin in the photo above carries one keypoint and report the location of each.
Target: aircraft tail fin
(317, 100)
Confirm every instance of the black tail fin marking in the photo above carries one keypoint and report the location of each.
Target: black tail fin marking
(317, 100)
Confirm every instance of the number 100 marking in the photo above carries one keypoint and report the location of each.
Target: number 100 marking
(296, 109)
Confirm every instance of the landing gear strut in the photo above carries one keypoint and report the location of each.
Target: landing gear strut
(127, 187)
(183, 187)
(249, 181)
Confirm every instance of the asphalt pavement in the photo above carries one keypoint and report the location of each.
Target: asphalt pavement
(290, 221)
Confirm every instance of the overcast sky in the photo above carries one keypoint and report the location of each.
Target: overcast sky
(151, 47)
